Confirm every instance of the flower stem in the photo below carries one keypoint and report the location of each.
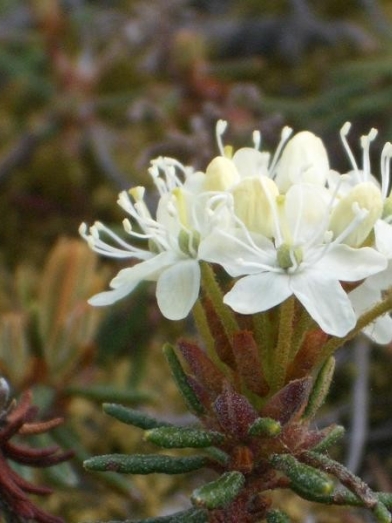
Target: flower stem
(215, 294)
(280, 354)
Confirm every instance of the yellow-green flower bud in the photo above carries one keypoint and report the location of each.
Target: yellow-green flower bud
(364, 196)
(221, 174)
(253, 198)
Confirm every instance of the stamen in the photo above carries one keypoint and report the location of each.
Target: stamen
(343, 133)
(256, 137)
(360, 215)
(168, 167)
(277, 230)
(299, 218)
(365, 144)
(386, 156)
(101, 227)
(294, 261)
(94, 241)
(284, 136)
(136, 192)
(220, 129)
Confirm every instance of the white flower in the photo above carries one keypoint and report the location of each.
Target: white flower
(303, 261)
(365, 297)
(347, 184)
(171, 257)
(361, 181)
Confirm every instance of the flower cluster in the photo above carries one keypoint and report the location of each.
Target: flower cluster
(280, 226)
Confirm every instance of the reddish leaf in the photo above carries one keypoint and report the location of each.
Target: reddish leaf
(307, 355)
(248, 363)
(234, 412)
(222, 344)
(204, 370)
(289, 402)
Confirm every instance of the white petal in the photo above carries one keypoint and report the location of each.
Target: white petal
(380, 331)
(178, 288)
(305, 208)
(326, 302)
(382, 280)
(383, 235)
(147, 270)
(235, 254)
(345, 263)
(259, 292)
(364, 297)
(127, 279)
(110, 297)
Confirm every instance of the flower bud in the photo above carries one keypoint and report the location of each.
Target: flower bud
(221, 174)
(364, 196)
(251, 162)
(304, 159)
(253, 198)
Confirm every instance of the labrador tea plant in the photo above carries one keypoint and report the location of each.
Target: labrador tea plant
(281, 260)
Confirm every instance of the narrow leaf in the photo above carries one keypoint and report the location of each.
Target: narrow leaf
(305, 480)
(234, 412)
(183, 437)
(133, 417)
(320, 388)
(381, 513)
(102, 393)
(249, 363)
(204, 370)
(335, 433)
(289, 402)
(221, 492)
(145, 464)
(182, 382)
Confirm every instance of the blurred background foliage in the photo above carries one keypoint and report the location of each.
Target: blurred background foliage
(91, 91)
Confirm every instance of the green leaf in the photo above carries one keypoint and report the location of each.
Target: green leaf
(381, 513)
(183, 437)
(320, 388)
(103, 393)
(336, 433)
(221, 492)
(181, 380)
(385, 498)
(145, 464)
(133, 417)
(305, 480)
